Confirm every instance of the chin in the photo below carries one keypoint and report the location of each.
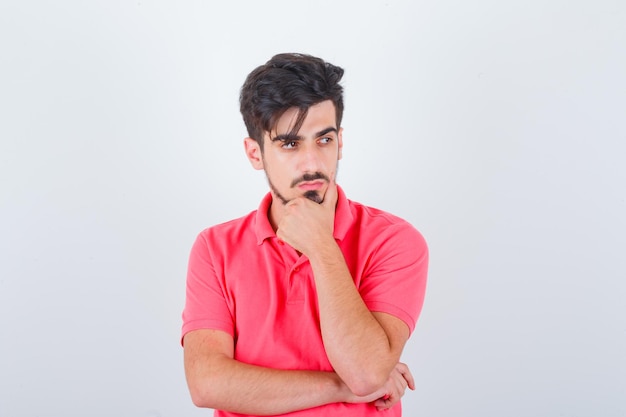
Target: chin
(314, 196)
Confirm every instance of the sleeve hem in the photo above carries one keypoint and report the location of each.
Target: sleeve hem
(206, 325)
(383, 307)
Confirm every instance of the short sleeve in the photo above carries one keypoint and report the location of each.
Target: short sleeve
(205, 303)
(394, 281)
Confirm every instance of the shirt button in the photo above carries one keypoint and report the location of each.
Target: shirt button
(280, 242)
(296, 269)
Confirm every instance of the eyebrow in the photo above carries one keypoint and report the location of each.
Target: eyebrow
(287, 137)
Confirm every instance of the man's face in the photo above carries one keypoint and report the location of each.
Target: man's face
(301, 164)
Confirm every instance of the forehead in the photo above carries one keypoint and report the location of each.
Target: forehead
(319, 116)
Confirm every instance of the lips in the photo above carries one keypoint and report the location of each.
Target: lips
(311, 185)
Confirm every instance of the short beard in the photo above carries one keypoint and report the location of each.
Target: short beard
(312, 195)
(275, 191)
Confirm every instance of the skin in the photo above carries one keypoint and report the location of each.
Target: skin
(364, 347)
(288, 160)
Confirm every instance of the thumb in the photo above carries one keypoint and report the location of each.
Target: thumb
(331, 196)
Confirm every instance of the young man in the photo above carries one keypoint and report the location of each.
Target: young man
(304, 305)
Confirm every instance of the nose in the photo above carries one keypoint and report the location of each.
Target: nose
(310, 159)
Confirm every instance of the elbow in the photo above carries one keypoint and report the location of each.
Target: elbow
(201, 398)
(198, 399)
(365, 377)
(365, 384)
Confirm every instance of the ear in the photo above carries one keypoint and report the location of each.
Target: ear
(339, 143)
(253, 152)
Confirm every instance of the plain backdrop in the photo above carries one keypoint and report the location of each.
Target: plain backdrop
(496, 128)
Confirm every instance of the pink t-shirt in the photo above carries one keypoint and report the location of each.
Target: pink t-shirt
(244, 281)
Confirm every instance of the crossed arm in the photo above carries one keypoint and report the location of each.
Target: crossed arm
(363, 347)
(218, 381)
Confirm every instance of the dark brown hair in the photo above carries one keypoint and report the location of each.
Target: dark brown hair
(286, 81)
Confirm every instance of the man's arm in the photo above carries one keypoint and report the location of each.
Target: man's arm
(363, 347)
(218, 381)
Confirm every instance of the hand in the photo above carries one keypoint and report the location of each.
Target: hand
(305, 224)
(393, 390)
(396, 385)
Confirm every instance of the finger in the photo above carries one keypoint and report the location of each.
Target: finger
(406, 373)
(401, 388)
(331, 196)
(387, 401)
(383, 404)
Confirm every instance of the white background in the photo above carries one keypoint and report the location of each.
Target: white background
(496, 128)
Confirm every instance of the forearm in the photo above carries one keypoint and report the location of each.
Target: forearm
(226, 384)
(356, 344)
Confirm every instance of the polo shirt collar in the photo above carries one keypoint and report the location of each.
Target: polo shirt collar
(343, 218)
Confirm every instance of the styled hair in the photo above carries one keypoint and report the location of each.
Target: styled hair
(287, 81)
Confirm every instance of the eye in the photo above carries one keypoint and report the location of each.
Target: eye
(325, 140)
(289, 144)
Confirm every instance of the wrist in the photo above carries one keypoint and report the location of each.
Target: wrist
(326, 252)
